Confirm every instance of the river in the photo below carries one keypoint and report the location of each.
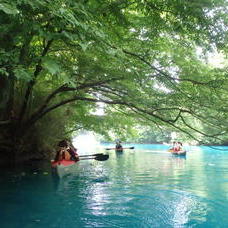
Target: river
(144, 187)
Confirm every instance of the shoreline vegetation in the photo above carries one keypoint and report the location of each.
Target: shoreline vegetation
(134, 70)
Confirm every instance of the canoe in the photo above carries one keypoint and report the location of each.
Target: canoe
(179, 153)
(119, 150)
(63, 167)
(62, 163)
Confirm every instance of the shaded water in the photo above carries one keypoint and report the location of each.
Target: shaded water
(145, 187)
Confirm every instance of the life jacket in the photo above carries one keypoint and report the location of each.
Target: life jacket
(64, 155)
(67, 155)
(176, 148)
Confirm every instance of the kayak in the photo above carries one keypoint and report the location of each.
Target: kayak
(63, 167)
(62, 163)
(178, 153)
(120, 149)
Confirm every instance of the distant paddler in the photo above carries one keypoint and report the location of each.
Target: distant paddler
(119, 147)
(177, 149)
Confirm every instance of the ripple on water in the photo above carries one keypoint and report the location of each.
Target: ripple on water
(131, 190)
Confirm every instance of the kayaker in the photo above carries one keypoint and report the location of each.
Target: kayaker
(60, 155)
(119, 147)
(174, 147)
(179, 146)
(73, 152)
(66, 152)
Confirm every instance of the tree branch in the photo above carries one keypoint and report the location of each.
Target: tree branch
(65, 88)
(33, 81)
(196, 130)
(158, 70)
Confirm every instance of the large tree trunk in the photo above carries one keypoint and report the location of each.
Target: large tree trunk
(7, 118)
(6, 97)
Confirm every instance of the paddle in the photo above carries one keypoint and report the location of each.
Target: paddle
(100, 157)
(89, 155)
(120, 148)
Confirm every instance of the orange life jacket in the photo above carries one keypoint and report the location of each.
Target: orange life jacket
(64, 155)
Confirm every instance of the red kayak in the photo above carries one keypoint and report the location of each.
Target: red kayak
(63, 167)
(62, 163)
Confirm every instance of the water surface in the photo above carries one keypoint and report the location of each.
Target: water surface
(145, 187)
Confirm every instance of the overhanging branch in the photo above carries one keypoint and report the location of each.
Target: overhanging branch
(65, 88)
(37, 71)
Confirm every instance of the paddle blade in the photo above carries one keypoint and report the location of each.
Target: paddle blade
(102, 157)
(132, 147)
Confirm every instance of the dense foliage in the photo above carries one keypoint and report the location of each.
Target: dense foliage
(145, 61)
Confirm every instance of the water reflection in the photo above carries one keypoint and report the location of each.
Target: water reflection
(164, 190)
(139, 189)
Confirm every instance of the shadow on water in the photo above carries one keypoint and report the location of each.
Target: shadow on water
(33, 195)
(28, 171)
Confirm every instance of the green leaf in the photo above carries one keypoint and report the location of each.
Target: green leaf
(8, 9)
(51, 65)
(3, 71)
(22, 74)
(84, 45)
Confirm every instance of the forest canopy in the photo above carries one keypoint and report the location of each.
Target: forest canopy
(145, 63)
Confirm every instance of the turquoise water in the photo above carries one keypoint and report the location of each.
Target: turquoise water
(145, 187)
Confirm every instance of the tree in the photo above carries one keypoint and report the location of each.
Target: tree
(138, 57)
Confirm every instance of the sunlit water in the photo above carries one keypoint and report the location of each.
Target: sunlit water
(145, 187)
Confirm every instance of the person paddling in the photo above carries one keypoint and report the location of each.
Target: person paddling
(175, 148)
(119, 147)
(66, 152)
(179, 146)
